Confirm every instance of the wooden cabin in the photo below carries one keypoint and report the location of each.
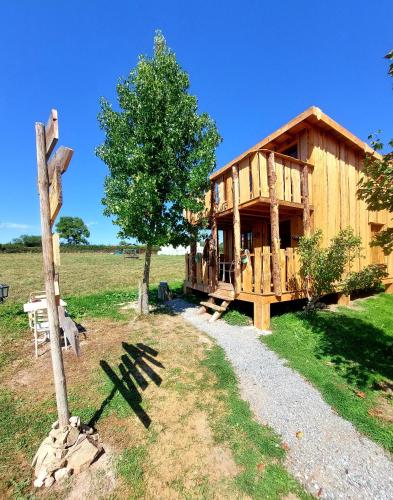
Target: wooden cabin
(302, 177)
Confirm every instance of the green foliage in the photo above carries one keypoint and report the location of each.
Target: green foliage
(130, 468)
(236, 318)
(73, 230)
(159, 151)
(322, 269)
(341, 353)
(376, 186)
(389, 56)
(368, 279)
(27, 240)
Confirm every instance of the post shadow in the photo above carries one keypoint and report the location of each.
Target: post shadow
(133, 369)
(127, 389)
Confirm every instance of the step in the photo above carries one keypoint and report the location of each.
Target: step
(222, 285)
(223, 295)
(215, 307)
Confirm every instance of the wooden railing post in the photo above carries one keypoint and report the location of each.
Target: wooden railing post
(306, 202)
(214, 234)
(236, 229)
(274, 224)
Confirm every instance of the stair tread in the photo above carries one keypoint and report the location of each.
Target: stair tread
(222, 295)
(215, 307)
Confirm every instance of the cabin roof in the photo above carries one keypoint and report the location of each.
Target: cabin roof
(311, 116)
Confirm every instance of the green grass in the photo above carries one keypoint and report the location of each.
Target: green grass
(346, 355)
(82, 273)
(236, 318)
(130, 466)
(22, 427)
(255, 447)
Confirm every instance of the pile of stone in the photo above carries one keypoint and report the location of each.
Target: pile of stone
(66, 451)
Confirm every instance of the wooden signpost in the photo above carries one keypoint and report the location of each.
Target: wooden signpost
(49, 184)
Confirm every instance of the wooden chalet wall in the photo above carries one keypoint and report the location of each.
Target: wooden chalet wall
(337, 169)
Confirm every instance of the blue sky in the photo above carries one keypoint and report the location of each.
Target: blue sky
(253, 65)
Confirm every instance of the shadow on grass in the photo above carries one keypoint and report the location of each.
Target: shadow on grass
(360, 350)
(135, 372)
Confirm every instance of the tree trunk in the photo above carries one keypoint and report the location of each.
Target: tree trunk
(274, 224)
(143, 299)
(236, 229)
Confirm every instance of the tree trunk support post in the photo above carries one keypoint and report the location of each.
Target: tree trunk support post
(49, 275)
(143, 299)
(262, 316)
(214, 234)
(236, 229)
(274, 224)
(306, 202)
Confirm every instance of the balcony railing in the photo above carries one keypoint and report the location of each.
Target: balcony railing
(253, 180)
(256, 275)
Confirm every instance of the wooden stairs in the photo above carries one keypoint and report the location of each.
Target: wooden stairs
(224, 293)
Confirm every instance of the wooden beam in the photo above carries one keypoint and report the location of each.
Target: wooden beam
(51, 133)
(56, 249)
(55, 196)
(236, 229)
(306, 202)
(60, 160)
(49, 275)
(274, 224)
(262, 316)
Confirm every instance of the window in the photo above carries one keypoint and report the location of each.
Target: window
(291, 151)
(247, 241)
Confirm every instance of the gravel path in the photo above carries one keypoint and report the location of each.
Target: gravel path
(332, 457)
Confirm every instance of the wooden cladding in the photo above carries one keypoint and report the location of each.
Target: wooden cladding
(253, 180)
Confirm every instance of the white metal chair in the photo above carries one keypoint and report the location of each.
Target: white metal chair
(38, 321)
(40, 328)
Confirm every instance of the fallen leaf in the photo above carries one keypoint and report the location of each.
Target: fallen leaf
(299, 434)
(360, 394)
(261, 466)
(285, 447)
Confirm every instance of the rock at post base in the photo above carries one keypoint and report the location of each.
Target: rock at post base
(83, 455)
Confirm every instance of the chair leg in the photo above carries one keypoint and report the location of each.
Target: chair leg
(36, 343)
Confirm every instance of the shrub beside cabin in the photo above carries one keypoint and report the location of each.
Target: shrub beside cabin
(302, 177)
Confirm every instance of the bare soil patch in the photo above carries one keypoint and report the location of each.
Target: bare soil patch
(141, 384)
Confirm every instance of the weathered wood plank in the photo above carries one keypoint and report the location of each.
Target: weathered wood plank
(244, 181)
(55, 196)
(60, 161)
(56, 249)
(51, 132)
(266, 271)
(262, 159)
(256, 185)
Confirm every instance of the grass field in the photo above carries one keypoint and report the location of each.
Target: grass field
(161, 395)
(348, 355)
(83, 273)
